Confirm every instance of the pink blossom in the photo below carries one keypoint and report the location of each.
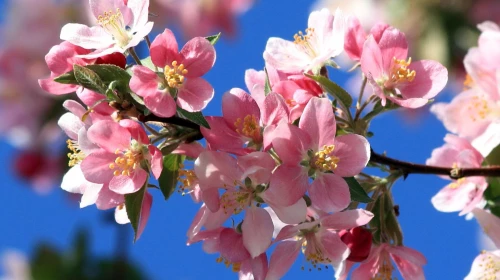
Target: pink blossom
(324, 39)
(486, 265)
(181, 76)
(124, 157)
(379, 264)
(319, 240)
(355, 36)
(120, 27)
(463, 194)
(313, 150)
(244, 127)
(394, 77)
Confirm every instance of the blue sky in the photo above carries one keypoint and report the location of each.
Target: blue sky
(447, 240)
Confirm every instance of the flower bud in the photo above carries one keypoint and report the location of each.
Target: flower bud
(28, 164)
(359, 241)
(116, 58)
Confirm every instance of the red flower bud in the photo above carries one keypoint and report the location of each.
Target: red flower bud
(28, 164)
(359, 241)
(116, 58)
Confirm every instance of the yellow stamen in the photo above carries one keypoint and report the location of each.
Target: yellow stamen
(76, 155)
(126, 162)
(114, 25)
(323, 159)
(248, 127)
(400, 72)
(174, 76)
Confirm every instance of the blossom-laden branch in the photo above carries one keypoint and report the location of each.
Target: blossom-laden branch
(453, 173)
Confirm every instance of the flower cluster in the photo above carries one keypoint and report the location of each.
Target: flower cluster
(283, 169)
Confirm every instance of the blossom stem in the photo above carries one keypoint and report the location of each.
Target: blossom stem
(358, 111)
(361, 92)
(414, 168)
(135, 56)
(148, 41)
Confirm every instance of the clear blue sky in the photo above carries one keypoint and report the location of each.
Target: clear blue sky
(448, 241)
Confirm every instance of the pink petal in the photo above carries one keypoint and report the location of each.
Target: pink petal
(237, 104)
(95, 167)
(198, 56)
(457, 196)
(408, 269)
(221, 137)
(318, 121)
(156, 161)
(144, 81)
(109, 135)
(74, 181)
(210, 197)
(290, 143)
(259, 267)
(70, 124)
(99, 7)
(333, 247)
(56, 88)
(121, 216)
(347, 219)
(136, 130)
(128, 184)
(90, 195)
(216, 169)
(430, 79)
(293, 214)
(355, 37)
(258, 167)
(140, 10)
(108, 199)
(231, 246)
(371, 59)
(257, 230)
(354, 153)
(490, 224)
(329, 192)
(195, 94)
(282, 259)
(392, 45)
(288, 185)
(140, 33)
(285, 56)
(274, 109)
(161, 103)
(192, 150)
(145, 211)
(164, 49)
(408, 254)
(86, 37)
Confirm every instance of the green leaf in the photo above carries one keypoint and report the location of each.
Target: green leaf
(89, 79)
(169, 174)
(493, 190)
(357, 191)
(213, 39)
(379, 109)
(133, 205)
(147, 62)
(267, 86)
(110, 93)
(67, 78)
(333, 89)
(111, 73)
(196, 117)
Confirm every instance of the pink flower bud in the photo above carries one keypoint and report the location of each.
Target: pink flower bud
(359, 241)
(29, 164)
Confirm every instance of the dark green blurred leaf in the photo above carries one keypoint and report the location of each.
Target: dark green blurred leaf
(47, 263)
(357, 191)
(196, 117)
(169, 174)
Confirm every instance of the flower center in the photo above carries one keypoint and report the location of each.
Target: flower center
(313, 253)
(76, 155)
(235, 201)
(324, 161)
(174, 76)
(490, 265)
(400, 72)
(114, 25)
(126, 162)
(385, 269)
(187, 179)
(235, 266)
(304, 41)
(248, 127)
(479, 108)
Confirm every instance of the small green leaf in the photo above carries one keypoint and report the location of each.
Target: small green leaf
(493, 190)
(196, 117)
(147, 62)
(133, 205)
(333, 89)
(111, 73)
(357, 191)
(267, 86)
(379, 109)
(67, 78)
(213, 39)
(169, 174)
(89, 79)
(110, 93)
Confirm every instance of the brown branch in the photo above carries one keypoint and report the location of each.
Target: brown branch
(171, 120)
(454, 173)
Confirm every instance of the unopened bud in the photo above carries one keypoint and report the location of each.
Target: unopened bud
(359, 241)
(116, 58)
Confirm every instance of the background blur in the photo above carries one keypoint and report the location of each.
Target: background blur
(35, 211)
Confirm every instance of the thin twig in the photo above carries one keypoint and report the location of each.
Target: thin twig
(361, 92)
(453, 173)
(135, 56)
